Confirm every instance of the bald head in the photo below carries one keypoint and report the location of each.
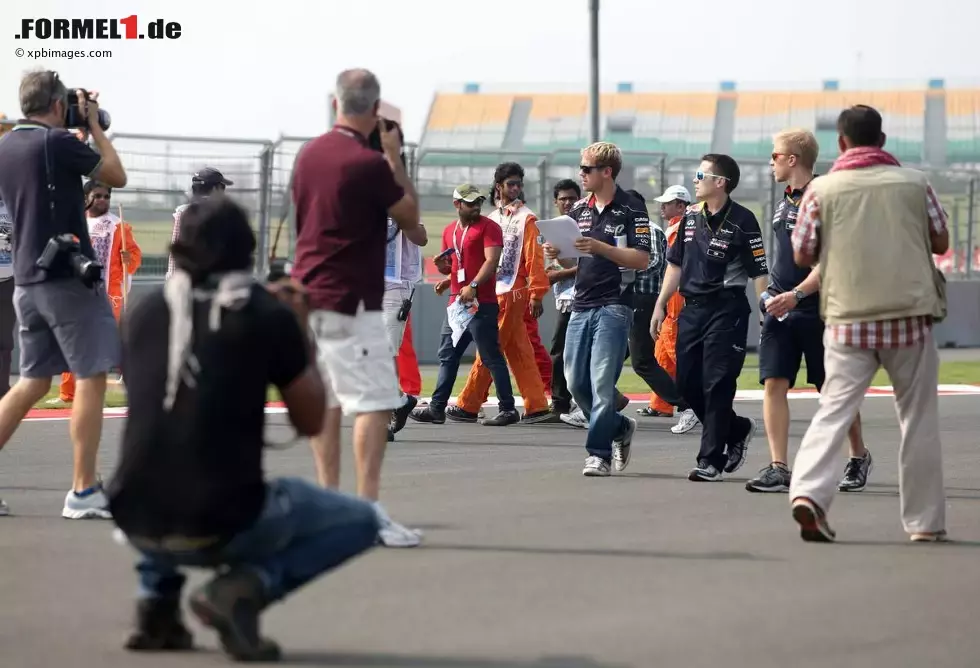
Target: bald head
(358, 93)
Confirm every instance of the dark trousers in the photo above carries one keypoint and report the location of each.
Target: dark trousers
(483, 331)
(642, 351)
(711, 336)
(7, 318)
(561, 396)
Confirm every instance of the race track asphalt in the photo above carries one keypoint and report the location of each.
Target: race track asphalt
(527, 564)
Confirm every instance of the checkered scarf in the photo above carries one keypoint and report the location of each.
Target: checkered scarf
(861, 157)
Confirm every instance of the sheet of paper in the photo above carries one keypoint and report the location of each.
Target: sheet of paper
(459, 316)
(561, 233)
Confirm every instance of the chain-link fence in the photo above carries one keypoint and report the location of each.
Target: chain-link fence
(160, 168)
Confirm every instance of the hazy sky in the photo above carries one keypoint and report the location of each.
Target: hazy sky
(257, 69)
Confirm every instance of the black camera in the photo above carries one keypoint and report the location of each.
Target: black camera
(73, 114)
(374, 139)
(65, 249)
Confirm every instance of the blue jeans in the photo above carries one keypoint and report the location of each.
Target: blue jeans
(303, 531)
(482, 330)
(595, 349)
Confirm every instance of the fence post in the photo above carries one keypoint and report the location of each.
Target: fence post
(955, 241)
(543, 189)
(969, 228)
(265, 198)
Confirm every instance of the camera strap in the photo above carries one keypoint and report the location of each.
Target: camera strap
(49, 172)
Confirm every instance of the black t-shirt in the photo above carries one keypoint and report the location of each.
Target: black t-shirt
(785, 274)
(23, 187)
(718, 252)
(624, 223)
(197, 470)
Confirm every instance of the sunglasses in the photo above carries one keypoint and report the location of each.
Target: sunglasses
(701, 176)
(513, 184)
(588, 169)
(776, 156)
(105, 197)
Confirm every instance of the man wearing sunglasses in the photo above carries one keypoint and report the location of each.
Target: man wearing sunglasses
(720, 250)
(614, 245)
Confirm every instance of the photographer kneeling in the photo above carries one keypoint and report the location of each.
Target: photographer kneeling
(189, 490)
(65, 320)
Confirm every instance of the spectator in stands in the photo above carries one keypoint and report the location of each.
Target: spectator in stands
(616, 243)
(673, 202)
(207, 182)
(6, 299)
(196, 416)
(792, 328)
(873, 227)
(521, 286)
(109, 236)
(471, 249)
(721, 250)
(344, 192)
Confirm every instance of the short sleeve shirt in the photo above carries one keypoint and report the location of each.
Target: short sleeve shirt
(785, 275)
(342, 190)
(718, 252)
(622, 223)
(468, 246)
(23, 188)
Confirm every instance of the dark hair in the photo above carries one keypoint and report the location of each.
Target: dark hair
(39, 90)
(860, 124)
(92, 184)
(567, 184)
(215, 237)
(374, 139)
(724, 165)
(504, 171)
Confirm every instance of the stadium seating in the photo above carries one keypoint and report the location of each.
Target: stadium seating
(963, 125)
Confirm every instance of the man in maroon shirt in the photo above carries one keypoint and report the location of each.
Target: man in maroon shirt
(344, 193)
(471, 250)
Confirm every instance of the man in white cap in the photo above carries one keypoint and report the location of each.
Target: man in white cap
(657, 371)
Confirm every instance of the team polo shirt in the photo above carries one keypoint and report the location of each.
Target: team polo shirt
(785, 274)
(468, 244)
(718, 252)
(600, 281)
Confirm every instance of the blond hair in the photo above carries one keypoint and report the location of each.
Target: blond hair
(800, 143)
(605, 154)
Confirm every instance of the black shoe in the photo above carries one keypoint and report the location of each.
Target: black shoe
(428, 415)
(856, 473)
(159, 627)
(738, 450)
(624, 401)
(391, 433)
(502, 419)
(704, 472)
(457, 414)
(541, 417)
(400, 415)
(773, 478)
(231, 604)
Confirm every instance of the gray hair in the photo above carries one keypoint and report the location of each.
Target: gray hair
(358, 91)
(39, 90)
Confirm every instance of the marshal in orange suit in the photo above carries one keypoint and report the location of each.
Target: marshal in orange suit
(107, 233)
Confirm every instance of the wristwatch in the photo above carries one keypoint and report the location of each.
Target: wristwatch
(474, 285)
(799, 294)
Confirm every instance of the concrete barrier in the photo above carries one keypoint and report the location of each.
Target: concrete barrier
(960, 330)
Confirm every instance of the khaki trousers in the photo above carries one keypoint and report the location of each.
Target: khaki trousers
(914, 374)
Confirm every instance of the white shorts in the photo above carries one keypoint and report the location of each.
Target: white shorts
(356, 360)
(390, 306)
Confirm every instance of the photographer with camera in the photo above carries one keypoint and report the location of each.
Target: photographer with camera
(66, 322)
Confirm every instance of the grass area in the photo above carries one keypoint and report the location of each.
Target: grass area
(950, 373)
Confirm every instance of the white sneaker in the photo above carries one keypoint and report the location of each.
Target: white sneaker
(92, 506)
(686, 422)
(4, 508)
(393, 534)
(596, 467)
(576, 419)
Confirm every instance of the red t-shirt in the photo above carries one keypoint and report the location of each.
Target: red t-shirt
(342, 191)
(471, 241)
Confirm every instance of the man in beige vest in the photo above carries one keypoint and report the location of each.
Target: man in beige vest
(872, 226)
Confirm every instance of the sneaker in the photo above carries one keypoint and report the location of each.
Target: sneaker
(704, 472)
(553, 417)
(87, 505)
(391, 433)
(400, 415)
(931, 537)
(773, 478)
(576, 419)
(428, 415)
(159, 627)
(685, 422)
(4, 508)
(856, 473)
(812, 521)
(393, 534)
(646, 411)
(502, 419)
(541, 417)
(457, 414)
(738, 450)
(622, 446)
(596, 467)
(230, 604)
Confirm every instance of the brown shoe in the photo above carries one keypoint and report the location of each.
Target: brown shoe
(812, 521)
(231, 604)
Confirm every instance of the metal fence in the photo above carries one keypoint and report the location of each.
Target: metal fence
(160, 168)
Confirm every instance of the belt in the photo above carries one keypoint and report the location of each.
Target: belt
(714, 297)
(174, 543)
